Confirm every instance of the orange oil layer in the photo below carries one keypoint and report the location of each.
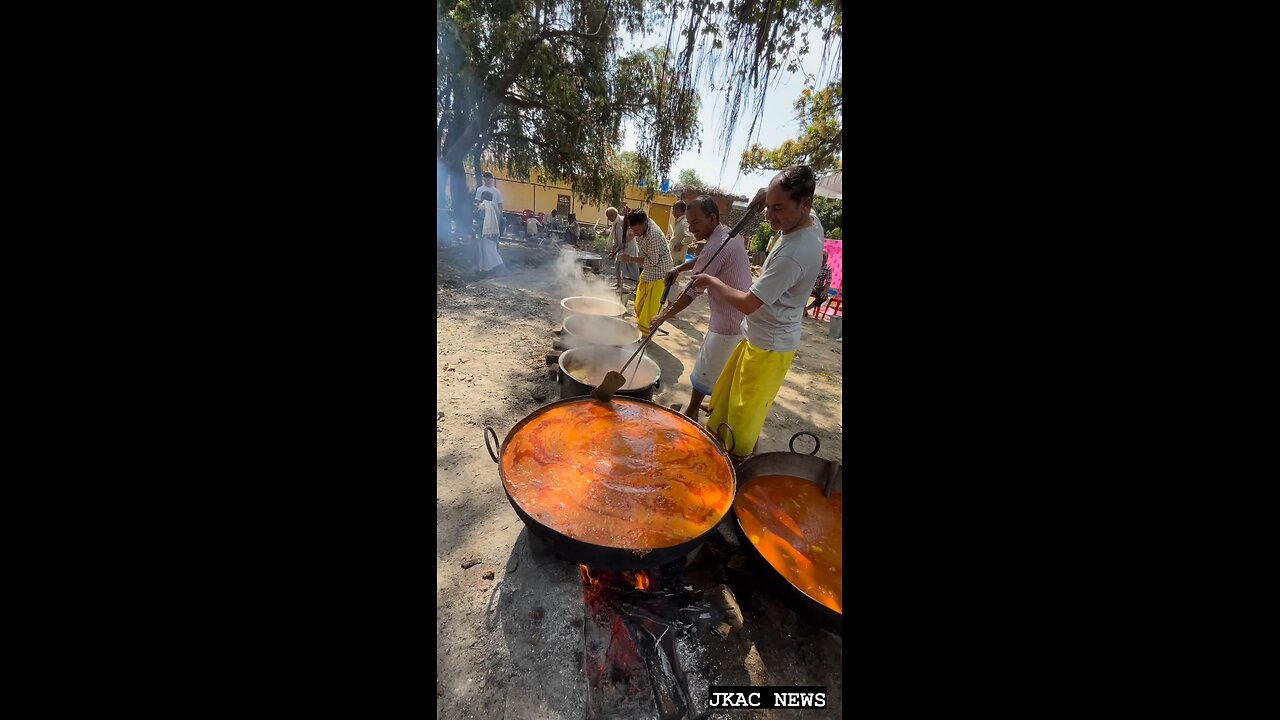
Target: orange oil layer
(798, 531)
(620, 474)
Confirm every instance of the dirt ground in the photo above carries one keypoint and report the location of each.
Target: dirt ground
(510, 645)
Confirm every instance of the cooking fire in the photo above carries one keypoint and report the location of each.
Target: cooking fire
(639, 580)
(630, 657)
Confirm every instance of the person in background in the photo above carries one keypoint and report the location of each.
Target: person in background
(487, 257)
(488, 183)
(655, 256)
(621, 242)
(821, 285)
(732, 267)
(575, 233)
(774, 309)
(531, 226)
(680, 233)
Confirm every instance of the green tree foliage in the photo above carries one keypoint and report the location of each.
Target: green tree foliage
(539, 83)
(738, 47)
(628, 164)
(760, 238)
(819, 144)
(689, 177)
(690, 181)
(831, 213)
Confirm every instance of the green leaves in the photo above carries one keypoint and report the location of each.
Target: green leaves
(529, 83)
(819, 144)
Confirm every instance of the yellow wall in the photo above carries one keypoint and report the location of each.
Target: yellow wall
(520, 195)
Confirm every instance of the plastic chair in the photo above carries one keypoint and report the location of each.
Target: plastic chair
(835, 297)
(817, 309)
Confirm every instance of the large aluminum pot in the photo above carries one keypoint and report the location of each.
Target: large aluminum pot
(601, 556)
(827, 474)
(581, 305)
(598, 330)
(582, 370)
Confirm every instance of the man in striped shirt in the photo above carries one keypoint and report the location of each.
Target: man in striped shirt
(733, 268)
(655, 259)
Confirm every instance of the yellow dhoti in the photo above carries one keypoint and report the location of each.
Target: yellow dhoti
(745, 392)
(648, 301)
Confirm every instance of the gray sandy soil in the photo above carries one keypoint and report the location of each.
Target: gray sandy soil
(510, 646)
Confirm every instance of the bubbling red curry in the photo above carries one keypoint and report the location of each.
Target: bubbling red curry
(623, 474)
(798, 531)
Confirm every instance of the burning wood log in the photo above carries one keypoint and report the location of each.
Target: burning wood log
(722, 599)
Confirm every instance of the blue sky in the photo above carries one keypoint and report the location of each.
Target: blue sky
(779, 123)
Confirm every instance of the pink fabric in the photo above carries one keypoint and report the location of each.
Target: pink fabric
(833, 260)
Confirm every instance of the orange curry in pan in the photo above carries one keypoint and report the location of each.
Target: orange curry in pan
(623, 474)
(798, 531)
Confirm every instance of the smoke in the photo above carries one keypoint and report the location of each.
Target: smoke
(573, 281)
(443, 228)
(570, 279)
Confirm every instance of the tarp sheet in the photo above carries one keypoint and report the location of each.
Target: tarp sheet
(831, 186)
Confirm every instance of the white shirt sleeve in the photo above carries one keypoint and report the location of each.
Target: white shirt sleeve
(680, 236)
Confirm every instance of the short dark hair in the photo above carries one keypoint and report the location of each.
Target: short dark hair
(637, 217)
(798, 181)
(681, 206)
(488, 175)
(486, 195)
(708, 206)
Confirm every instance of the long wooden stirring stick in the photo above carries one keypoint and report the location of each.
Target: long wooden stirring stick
(614, 380)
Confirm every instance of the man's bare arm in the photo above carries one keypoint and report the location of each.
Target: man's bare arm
(744, 302)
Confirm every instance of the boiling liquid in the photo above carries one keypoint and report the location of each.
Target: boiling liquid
(620, 474)
(798, 531)
(595, 376)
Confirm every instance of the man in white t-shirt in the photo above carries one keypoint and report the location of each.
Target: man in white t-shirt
(774, 309)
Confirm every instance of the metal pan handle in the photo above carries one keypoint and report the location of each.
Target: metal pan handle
(816, 443)
(487, 432)
(733, 440)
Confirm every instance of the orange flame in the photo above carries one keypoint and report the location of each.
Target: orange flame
(639, 580)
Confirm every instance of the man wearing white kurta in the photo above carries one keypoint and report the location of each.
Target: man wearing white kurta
(487, 257)
(491, 185)
(680, 237)
(622, 242)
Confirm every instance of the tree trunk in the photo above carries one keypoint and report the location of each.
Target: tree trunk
(462, 210)
(442, 215)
